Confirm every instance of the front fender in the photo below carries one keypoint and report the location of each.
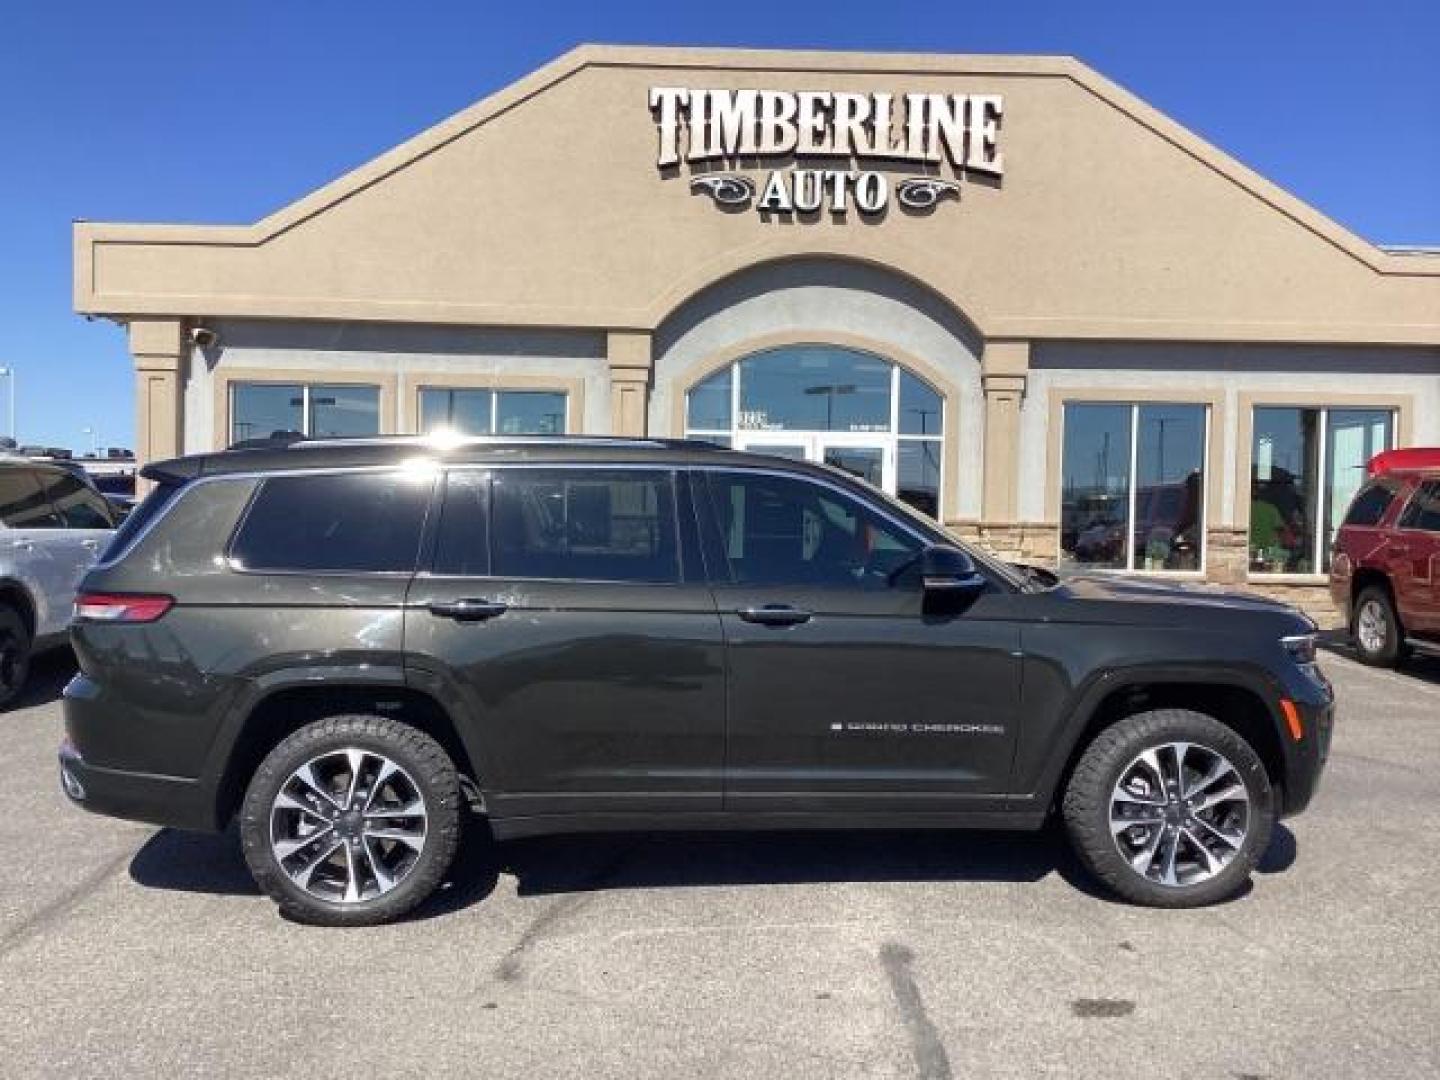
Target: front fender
(1046, 749)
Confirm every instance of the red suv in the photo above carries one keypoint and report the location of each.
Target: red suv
(1385, 568)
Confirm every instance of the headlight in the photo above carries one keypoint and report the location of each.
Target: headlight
(1301, 648)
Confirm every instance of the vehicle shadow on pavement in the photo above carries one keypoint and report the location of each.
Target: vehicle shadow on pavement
(545, 866)
(1422, 666)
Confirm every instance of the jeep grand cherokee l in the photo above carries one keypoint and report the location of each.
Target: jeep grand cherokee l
(346, 643)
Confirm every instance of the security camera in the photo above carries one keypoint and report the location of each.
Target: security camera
(203, 336)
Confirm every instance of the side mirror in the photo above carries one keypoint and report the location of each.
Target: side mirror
(949, 571)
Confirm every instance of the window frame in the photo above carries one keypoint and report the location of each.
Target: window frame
(59, 475)
(495, 390)
(32, 474)
(687, 558)
(1135, 404)
(1324, 405)
(424, 548)
(1379, 483)
(306, 385)
(890, 440)
(1413, 500)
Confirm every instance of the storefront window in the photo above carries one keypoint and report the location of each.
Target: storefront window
(529, 412)
(492, 412)
(1293, 512)
(1132, 491)
(260, 410)
(815, 388)
(466, 411)
(854, 410)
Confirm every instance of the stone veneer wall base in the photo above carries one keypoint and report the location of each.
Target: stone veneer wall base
(1227, 559)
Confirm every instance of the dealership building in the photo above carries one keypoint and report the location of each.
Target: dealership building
(1002, 288)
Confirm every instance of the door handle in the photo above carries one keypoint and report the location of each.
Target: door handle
(774, 615)
(1399, 549)
(90, 545)
(468, 610)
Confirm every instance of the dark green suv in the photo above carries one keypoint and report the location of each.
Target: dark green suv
(350, 645)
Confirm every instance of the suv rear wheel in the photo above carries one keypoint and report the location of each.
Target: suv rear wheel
(352, 820)
(1376, 630)
(1170, 808)
(14, 655)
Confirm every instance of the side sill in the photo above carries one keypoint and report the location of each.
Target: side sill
(508, 828)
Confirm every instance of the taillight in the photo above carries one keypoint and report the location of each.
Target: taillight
(121, 607)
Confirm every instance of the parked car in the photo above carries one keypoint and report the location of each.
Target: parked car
(346, 644)
(53, 524)
(1385, 565)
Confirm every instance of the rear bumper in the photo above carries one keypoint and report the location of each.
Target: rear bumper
(172, 801)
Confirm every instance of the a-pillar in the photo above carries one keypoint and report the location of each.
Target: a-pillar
(157, 347)
(629, 355)
(1004, 368)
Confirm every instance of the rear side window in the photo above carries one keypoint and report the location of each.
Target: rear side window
(1424, 509)
(23, 504)
(1370, 505)
(345, 523)
(79, 505)
(149, 509)
(585, 525)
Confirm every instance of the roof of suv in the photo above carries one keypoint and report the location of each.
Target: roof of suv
(288, 453)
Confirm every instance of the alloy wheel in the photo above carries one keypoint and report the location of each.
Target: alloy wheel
(1371, 627)
(1179, 813)
(348, 826)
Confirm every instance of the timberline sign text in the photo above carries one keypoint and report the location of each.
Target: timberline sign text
(698, 126)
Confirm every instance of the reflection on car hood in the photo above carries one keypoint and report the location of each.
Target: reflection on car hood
(1151, 591)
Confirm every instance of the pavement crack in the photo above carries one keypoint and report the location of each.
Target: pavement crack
(931, 1060)
(49, 914)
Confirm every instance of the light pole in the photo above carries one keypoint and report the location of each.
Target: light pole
(830, 391)
(94, 440)
(9, 373)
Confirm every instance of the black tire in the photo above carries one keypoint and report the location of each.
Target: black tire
(1391, 649)
(433, 775)
(1088, 794)
(15, 651)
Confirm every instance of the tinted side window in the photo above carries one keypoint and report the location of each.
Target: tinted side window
(354, 522)
(1424, 509)
(1370, 505)
(23, 504)
(78, 505)
(779, 530)
(584, 524)
(149, 509)
(462, 547)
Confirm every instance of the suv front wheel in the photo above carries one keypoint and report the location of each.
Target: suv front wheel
(351, 820)
(1170, 808)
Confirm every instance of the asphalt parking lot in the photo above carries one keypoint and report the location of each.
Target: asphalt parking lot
(130, 951)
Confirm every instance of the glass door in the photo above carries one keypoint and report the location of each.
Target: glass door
(785, 445)
(858, 454)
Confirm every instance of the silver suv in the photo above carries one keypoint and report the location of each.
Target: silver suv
(53, 525)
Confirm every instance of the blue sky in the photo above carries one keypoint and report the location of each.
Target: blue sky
(161, 111)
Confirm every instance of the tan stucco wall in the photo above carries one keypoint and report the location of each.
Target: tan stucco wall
(543, 205)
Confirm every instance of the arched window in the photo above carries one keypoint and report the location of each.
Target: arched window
(855, 410)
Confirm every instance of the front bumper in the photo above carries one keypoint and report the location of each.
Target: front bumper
(1305, 757)
(172, 801)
